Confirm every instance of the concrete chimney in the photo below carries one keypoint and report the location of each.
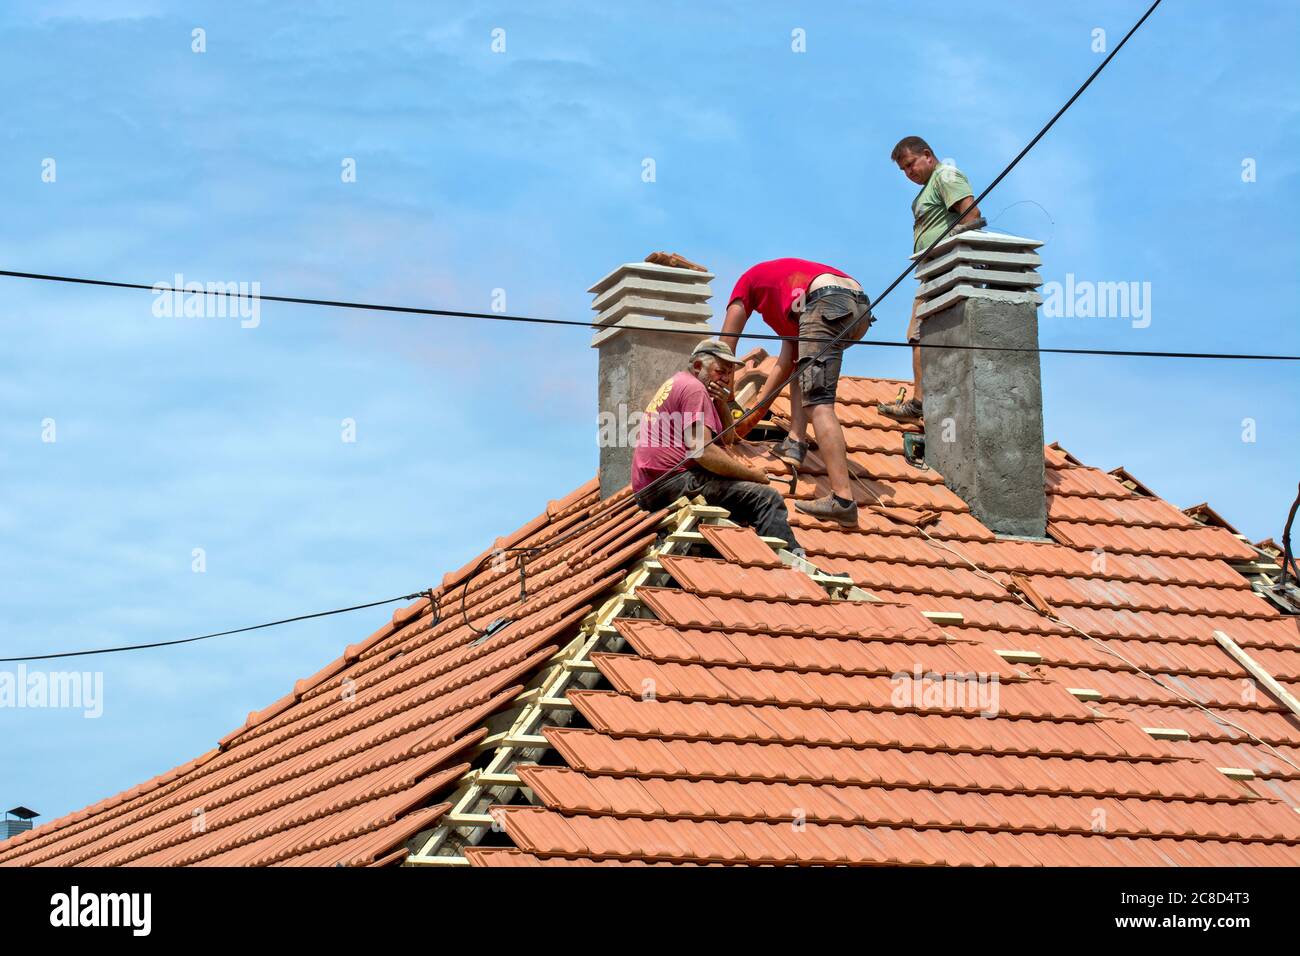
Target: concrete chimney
(984, 409)
(646, 311)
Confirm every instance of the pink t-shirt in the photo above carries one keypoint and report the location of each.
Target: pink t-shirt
(771, 288)
(661, 439)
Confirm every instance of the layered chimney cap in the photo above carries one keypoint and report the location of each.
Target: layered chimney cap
(991, 265)
(650, 296)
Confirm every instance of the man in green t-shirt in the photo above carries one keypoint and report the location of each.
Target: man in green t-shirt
(945, 198)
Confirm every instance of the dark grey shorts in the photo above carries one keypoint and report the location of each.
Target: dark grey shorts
(828, 312)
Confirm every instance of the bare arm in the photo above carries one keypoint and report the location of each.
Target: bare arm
(733, 323)
(771, 389)
(966, 208)
(716, 460)
(712, 458)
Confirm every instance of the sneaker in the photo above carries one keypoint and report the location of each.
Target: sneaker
(827, 507)
(902, 411)
(791, 452)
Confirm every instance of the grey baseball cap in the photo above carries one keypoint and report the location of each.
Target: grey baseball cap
(717, 349)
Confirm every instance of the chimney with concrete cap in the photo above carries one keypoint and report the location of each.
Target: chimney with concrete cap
(984, 409)
(652, 316)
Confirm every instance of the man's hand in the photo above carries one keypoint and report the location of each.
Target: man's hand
(712, 458)
(720, 391)
(979, 223)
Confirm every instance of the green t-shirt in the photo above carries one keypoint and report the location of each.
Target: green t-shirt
(932, 207)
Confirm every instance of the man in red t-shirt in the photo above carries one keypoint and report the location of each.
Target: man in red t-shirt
(673, 458)
(817, 304)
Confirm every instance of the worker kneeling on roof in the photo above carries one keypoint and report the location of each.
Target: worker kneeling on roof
(675, 454)
(825, 309)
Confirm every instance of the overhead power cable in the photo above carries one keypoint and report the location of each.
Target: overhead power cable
(578, 323)
(204, 637)
(533, 551)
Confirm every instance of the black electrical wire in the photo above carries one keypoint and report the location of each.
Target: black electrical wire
(204, 637)
(521, 556)
(464, 593)
(759, 336)
(1288, 558)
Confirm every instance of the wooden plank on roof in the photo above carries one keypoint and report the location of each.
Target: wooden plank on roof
(945, 617)
(469, 819)
(531, 710)
(1258, 672)
(436, 861)
(695, 537)
(498, 780)
(1256, 567)
(1167, 733)
(1012, 656)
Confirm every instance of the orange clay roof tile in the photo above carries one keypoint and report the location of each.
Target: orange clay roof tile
(752, 719)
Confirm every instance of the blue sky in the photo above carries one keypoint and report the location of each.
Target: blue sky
(522, 171)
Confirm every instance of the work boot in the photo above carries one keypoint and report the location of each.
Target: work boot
(902, 411)
(827, 507)
(791, 452)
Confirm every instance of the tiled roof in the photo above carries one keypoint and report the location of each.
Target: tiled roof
(346, 766)
(752, 715)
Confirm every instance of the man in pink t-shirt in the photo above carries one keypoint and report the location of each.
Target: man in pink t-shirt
(673, 456)
(822, 310)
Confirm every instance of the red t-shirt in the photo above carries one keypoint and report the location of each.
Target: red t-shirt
(770, 288)
(661, 439)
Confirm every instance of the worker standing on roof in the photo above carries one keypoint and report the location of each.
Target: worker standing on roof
(945, 199)
(815, 303)
(679, 423)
